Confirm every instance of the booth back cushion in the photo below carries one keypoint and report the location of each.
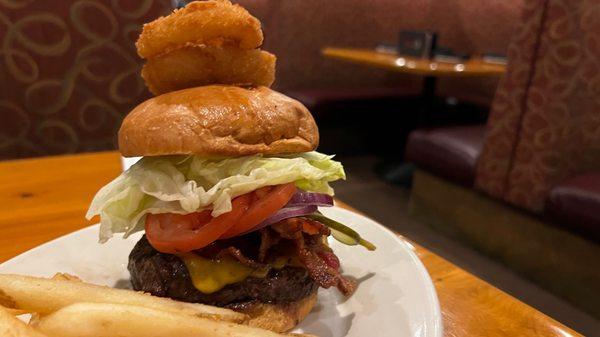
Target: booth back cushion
(545, 121)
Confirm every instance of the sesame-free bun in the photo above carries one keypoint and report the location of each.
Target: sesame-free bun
(218, 120)
(279, 317)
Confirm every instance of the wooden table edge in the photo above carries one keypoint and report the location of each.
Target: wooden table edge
(387, 61)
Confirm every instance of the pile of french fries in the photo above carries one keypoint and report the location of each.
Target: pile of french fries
(64, 306)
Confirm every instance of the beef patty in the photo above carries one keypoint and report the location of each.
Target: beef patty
(166, 275)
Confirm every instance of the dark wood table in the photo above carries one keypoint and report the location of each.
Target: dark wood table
(44, 198)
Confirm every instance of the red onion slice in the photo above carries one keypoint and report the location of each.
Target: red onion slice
(310, 198)
(285, 213)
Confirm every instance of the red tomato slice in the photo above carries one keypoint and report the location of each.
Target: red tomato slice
(268, 200)
(177, 233)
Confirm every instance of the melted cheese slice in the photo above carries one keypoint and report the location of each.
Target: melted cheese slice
(209, 276)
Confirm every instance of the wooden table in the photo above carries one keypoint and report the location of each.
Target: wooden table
(411, 65)
(41, 199)
(427, 68)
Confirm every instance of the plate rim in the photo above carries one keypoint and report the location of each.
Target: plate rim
(438, 327)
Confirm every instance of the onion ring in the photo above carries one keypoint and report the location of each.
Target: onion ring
(196, 65)
(201, 22)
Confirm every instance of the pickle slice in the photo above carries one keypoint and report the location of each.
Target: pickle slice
(343, 238)
(342, 233)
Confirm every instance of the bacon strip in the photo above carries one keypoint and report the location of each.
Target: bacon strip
(308, 245)
(238, 255)
(320, 271)
(313, 254)
(346, 286)
(268, 239)
(294, 227)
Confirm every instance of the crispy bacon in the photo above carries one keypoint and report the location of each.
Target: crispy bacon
(346, 286)
(317, 258)
(319, 271)
(238, 255)
(268, 239)
(330, 258)
(324, 273)
(307, 244)
(294, 227)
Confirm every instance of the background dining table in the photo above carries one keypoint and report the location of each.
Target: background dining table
(430, 69)
(44, 198)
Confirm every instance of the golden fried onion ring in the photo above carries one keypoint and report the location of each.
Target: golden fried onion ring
(201, 22)
(197, 65)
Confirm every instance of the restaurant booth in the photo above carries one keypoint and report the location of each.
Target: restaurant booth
(525, 188)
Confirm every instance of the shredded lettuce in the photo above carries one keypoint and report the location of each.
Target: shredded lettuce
(186, 184)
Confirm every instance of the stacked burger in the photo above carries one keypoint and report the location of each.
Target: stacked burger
(229, 185)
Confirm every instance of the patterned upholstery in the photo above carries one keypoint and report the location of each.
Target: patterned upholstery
(69, 72)
(545, 122)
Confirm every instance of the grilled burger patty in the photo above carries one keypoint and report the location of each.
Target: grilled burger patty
(166, 275)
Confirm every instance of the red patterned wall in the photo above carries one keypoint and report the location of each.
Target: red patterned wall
(69, 72)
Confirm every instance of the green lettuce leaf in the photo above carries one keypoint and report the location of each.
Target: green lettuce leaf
(186, 184)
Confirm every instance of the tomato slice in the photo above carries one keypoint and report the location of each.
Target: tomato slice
(267, 201)
(177, 233)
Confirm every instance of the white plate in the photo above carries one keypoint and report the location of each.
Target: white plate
(395, 297)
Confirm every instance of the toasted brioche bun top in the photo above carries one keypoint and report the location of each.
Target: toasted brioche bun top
(218, 120)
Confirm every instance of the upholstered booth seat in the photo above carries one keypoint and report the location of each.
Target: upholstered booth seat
(576, 203)
(449, 152)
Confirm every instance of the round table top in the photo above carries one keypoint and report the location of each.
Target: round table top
(413, 65)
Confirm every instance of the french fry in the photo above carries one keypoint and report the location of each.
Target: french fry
(45, 296)
(108, 320)
(66, 277)
(14, 312)
(9, 305)
(13, 327)
(6, 301)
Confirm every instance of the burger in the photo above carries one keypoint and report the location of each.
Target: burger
(228, 192)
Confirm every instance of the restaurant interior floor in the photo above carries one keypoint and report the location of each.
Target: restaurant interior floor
(388, 204)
